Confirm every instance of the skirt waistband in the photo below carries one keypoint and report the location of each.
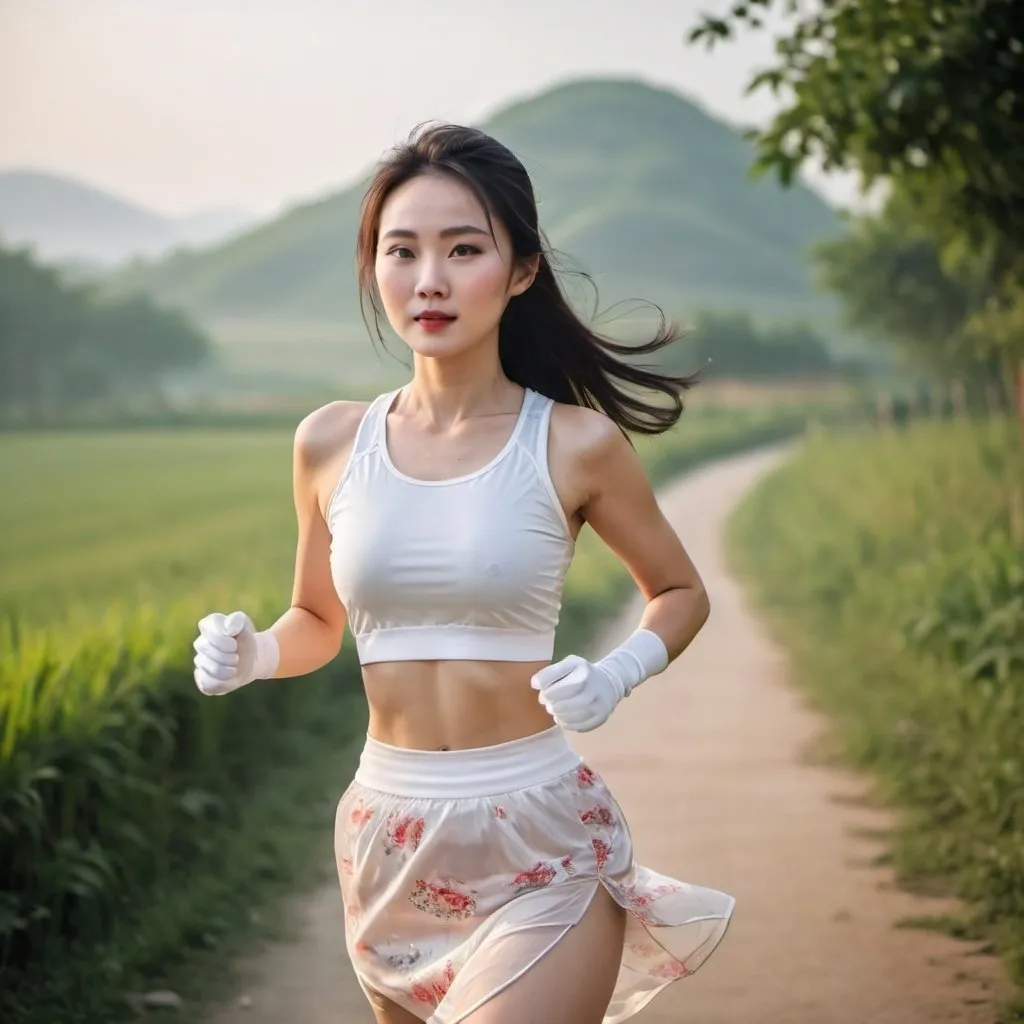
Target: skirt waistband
(480, 771)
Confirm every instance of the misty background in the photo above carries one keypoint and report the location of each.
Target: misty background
(211, 158)
(179, 194)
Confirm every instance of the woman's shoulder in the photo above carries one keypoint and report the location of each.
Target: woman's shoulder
(328, 433)
(583, 434)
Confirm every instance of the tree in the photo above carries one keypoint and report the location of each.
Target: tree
(914, 90)
(137, 341)
(735, 348)
(890, 274)
(927, 95)
(38, 323)
(60, 347)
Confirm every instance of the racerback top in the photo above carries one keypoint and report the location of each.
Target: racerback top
(470, 567)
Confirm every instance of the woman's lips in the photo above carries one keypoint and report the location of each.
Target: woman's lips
(434, 321)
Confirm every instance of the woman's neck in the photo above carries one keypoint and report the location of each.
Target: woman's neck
(445, 391)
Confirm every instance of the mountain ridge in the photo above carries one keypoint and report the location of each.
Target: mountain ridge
(65, 219)
(643, 190)
(619, 191)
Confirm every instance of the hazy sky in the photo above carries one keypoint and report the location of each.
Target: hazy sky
(185, 104)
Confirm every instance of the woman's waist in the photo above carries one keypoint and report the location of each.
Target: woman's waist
(521, 763)
(452, 705)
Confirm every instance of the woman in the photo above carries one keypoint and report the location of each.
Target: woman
(487, 873)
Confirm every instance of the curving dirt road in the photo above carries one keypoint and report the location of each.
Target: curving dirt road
(708, 763)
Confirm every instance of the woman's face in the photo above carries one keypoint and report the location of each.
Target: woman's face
(444, 280)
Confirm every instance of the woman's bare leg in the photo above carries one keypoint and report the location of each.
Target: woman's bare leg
(387, 1012)
(573, 982)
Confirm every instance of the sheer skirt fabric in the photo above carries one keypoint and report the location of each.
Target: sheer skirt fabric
(460, 869)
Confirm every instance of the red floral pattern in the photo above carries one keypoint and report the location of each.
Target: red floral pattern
(351, 917)
(639, 901)
(670, 970)
(598, 816)
(445, 901)
(360, 815)
(646, 950)
(432, 990)
(537, 877)
(404, 832)
(429, 841)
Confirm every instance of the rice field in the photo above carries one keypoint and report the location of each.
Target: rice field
(95, 520)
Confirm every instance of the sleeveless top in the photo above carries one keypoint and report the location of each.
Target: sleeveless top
(469, 568)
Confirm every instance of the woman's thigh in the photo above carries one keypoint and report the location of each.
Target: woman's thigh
(387, 1012)
(573, 982)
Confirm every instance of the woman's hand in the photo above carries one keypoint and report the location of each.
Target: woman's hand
(581, 695)
(230, 653)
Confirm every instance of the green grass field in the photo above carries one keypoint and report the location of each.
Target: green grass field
(895, 576)
(149, 517)
(307, 353)
(127, 517)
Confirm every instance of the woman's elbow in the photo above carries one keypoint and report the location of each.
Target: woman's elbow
(701, 605)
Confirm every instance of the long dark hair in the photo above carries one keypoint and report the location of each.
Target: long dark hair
(542, 343)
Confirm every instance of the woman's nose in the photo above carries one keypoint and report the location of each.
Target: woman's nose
(432, 280)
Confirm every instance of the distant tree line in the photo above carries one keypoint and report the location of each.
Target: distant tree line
(926, 101)
(950, 316)
(61, 347)
(731, 345)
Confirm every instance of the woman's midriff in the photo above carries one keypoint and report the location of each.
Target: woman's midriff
(452, 705)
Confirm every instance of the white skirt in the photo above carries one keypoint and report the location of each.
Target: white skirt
(460, 869)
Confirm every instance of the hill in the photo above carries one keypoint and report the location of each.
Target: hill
(67, 221)
(653, 195)
(639, 186)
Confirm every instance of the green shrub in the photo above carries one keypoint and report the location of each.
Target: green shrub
(892, 566)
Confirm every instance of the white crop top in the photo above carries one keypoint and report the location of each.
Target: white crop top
(465, 568)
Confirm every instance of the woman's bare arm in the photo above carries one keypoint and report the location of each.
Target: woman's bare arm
(614, 495)
(309, 634)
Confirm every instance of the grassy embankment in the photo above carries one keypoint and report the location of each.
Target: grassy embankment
(892, 567)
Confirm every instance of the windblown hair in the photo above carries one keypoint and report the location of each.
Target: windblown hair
(542, 343)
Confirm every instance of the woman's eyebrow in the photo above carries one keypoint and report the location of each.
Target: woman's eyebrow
(459, 229)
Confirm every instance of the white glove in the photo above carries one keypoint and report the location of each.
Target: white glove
(230, 653)
(581, 695)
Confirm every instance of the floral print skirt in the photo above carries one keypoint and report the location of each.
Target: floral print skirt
(460, 869)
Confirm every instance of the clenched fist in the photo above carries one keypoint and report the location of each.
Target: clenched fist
(581, 695)
(230, 653)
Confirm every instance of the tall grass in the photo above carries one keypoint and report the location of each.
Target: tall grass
(892, 566)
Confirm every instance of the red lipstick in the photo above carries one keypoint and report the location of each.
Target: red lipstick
(434, 320)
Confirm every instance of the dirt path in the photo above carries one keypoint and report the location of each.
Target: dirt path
(707, 762)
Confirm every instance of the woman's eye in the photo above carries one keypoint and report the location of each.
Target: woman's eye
(403, 252)
(465, 250)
